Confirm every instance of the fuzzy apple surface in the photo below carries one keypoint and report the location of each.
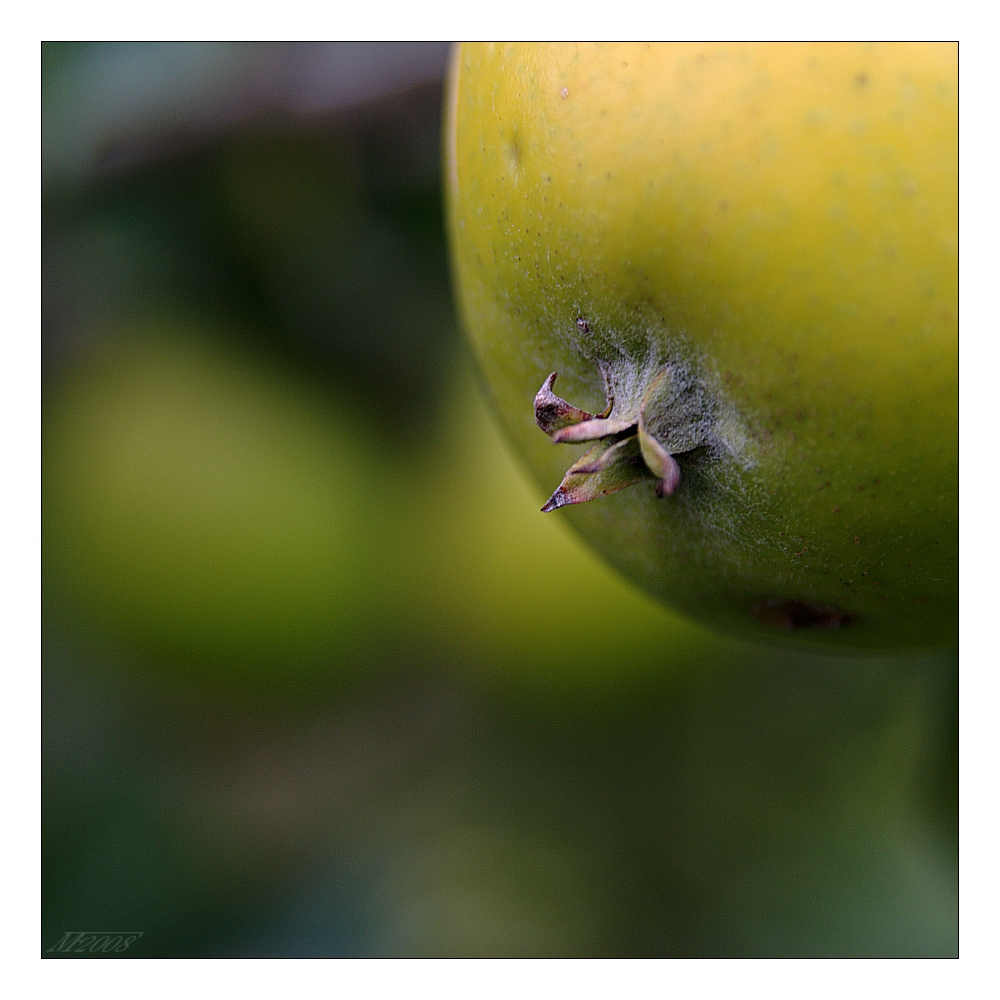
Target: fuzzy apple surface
(741, 260)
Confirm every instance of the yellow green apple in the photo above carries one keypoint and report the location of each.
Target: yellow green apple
(722, 278)
(201, 505)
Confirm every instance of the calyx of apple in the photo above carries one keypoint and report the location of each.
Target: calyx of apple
(661, 412)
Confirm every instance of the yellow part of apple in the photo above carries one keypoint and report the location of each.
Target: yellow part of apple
(780, 223)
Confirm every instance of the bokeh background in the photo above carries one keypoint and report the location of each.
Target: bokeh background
(306, 690)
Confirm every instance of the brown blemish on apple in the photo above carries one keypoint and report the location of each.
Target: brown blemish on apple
(792, 613)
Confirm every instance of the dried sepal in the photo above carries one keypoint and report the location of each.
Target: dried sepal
(592, 430)
(659, 461)
(606, 468)
(552, 413)
(619, 451)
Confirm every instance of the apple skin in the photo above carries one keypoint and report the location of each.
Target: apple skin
(781, 221)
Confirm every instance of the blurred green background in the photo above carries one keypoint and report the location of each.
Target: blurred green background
(306, 687)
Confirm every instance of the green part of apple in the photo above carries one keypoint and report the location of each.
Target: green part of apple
(747, 255)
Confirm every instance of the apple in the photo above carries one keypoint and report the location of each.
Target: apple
(204, 507)
(722, 278)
